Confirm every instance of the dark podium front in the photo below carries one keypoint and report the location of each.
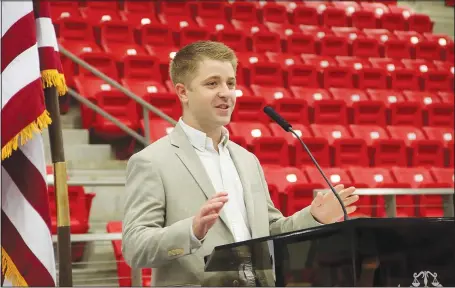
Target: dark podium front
(406, 252)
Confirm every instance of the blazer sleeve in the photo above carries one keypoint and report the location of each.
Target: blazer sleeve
(277, 222)
(146, 243)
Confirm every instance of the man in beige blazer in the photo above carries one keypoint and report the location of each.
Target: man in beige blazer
(194, 189)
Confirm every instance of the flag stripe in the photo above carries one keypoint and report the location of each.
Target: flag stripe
(18, 38)
(16, 10)
(34, 151)
(19, 165)
(23, 70)
(45, 39)
(49, 56)
(31, 269)
(22, 109)
(42, 8)
(28, 223)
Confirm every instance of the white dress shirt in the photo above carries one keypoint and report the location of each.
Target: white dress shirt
(224, 176)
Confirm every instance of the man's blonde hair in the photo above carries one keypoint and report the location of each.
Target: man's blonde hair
(187, 59)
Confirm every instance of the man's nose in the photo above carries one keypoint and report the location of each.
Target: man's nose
(226, 92)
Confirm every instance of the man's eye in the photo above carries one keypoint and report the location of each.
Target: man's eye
(211, 84)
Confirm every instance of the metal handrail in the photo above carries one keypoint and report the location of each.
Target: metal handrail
(145, 105)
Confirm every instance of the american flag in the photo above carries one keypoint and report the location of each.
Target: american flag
(29, 62)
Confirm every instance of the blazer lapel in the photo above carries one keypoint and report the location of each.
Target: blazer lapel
(242, 169)
(194, 165)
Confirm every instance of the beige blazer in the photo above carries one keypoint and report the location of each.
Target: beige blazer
(166, 185)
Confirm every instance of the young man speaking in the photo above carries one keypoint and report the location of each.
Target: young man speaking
(194, 189)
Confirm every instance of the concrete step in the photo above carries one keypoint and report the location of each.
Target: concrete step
(83, 152)
(94, 167)
(70, 136)
(72, 119)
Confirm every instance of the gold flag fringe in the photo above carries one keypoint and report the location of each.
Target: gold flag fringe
(10, 272)
(26, 134)
(51, 78)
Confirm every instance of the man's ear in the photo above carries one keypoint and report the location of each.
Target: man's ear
(181, 91)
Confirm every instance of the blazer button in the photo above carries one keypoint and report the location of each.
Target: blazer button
(235, 283)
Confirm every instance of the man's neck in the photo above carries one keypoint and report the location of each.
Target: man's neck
(213, 133)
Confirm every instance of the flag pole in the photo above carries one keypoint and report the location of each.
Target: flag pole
(61, 188)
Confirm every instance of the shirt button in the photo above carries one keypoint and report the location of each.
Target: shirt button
(235, 283)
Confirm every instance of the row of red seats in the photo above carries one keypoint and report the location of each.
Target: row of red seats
(123, 270)
(160, 40)
(291, 189)
(308, 105)
(245, 16)
(339, 146)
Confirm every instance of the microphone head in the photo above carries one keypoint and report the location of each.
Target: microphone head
(277, 118)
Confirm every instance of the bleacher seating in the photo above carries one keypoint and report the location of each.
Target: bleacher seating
(366, 84)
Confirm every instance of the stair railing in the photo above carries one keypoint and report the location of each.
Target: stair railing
(146, 107)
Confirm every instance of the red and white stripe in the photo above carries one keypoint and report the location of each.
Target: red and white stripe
(25, 215)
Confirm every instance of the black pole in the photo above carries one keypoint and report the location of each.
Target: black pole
(61, 188)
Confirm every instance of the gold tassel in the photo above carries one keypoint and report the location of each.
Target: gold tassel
(26, 134)
(10, 272)
(51, 78)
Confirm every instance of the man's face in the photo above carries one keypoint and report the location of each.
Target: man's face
(210, 97)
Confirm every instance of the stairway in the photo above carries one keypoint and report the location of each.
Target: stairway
(86, 161)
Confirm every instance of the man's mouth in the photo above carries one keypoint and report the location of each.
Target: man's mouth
(222, 106)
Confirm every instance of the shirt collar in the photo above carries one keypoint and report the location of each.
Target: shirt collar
(199, 139)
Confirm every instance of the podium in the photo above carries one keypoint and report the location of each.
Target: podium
(392, 252)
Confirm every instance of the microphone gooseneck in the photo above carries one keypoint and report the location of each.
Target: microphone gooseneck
(288, 128)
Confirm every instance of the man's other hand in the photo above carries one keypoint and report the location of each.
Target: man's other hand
(208, 214)
(326, 209)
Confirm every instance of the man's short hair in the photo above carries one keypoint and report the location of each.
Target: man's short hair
(186, 60)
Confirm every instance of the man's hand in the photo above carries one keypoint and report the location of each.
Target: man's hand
(208, 214)
(326, 208)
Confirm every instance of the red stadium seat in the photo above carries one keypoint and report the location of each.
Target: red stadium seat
(372, 78)
(444, 66)
(420, 65)
(264, 41)
(211, 15)
(363, 19)
(283, 177)
(305, 15)
(346, 150)
(388, 64)
(443, 134)
(426, 205)
(189, 35)
(286, 60)
(175, 14)
(268, 149)
(300, 44)
(397, 49)
(121, 107)
(318, 146)
(352, 62)
(435, 112)
(400, 111)
(421, 151)
(97, 12)
(404, 79)
(332, 45)
(168, 103)
(436, 80)
(117, 39)
(446, 97)
(382, 150)
(449, 52)
(420, 23)
(143, 67)
(393, 21)
(429, 50)
(245, 17)
(334, 17)
(157, 39)
(443, 176)
(137, 13)
(361, 110)
(236, 40)
(62, 9)
(249, 108)
(378, 178)
(275, 16)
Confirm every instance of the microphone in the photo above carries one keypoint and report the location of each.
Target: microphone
(288, 128)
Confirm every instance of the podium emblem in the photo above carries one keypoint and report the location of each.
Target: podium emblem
(425, 278)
